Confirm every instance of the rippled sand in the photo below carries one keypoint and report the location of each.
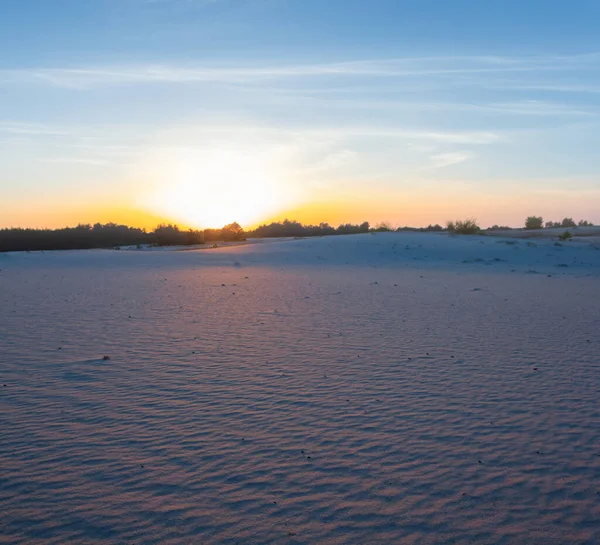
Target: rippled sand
(382, 389)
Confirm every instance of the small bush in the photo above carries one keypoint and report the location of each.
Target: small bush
(463, 227)
(384, 227)
(565, 236)
(534, 222)
(434, 228)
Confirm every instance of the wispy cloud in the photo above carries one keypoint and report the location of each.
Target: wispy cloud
(98, 137)
(442, 160)
(517, 108)
(75, 160)
(30, 129)
(84, 77)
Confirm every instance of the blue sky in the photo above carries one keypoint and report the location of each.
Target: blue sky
(410, 112)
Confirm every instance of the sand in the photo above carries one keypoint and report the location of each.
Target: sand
(367, 389)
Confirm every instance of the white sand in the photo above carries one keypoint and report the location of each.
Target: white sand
(368, 389)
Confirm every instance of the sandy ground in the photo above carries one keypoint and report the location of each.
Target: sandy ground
(367, 389)
(591, 234)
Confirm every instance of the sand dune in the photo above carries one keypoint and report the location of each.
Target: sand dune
(367, 389)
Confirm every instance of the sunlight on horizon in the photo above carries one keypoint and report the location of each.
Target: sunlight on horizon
(211, 188)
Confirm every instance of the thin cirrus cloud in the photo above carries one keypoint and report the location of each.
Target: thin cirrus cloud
(80, 137)
(516, 108)
(84, 77)
(30, 129)
(442, 160)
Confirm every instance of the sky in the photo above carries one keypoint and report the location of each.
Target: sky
(204, 112)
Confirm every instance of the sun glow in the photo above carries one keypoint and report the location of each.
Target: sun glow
(217, 187)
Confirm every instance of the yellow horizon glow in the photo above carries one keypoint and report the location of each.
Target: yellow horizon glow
(205, 190)
(209, 190)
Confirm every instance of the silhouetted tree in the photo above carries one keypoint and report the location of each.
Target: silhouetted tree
(233, 231)
(534, 222)
(167, 235)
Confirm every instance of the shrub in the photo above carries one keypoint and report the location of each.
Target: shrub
(384, 227)
(534, 222)
(463, 227)
(565, 236)
(584, 223)
(434, 228)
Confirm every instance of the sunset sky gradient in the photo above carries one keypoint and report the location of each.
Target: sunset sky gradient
(204, 112)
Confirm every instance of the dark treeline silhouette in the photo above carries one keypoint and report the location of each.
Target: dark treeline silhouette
(568, 222)
(68, 238)
(85, 236)
(537, 222)
(228, 233)
(111, 235)
(172, 235)
(291, 228)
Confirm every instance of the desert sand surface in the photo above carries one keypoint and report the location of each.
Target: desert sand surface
(587, 234)
(367, 389)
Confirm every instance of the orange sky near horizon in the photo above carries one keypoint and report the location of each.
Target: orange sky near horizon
(416, 209)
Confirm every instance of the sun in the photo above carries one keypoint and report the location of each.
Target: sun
(216, 187)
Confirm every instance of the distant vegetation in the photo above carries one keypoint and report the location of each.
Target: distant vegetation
(384, 227)
(82, 236)
(534, 222)
(290, 228)
(109, 235)
(112, 235)
(537, 222)
(463, 227)
(171, 235)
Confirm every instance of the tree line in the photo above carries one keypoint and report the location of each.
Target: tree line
(291, 228)
(112, 235)
(537, 222)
